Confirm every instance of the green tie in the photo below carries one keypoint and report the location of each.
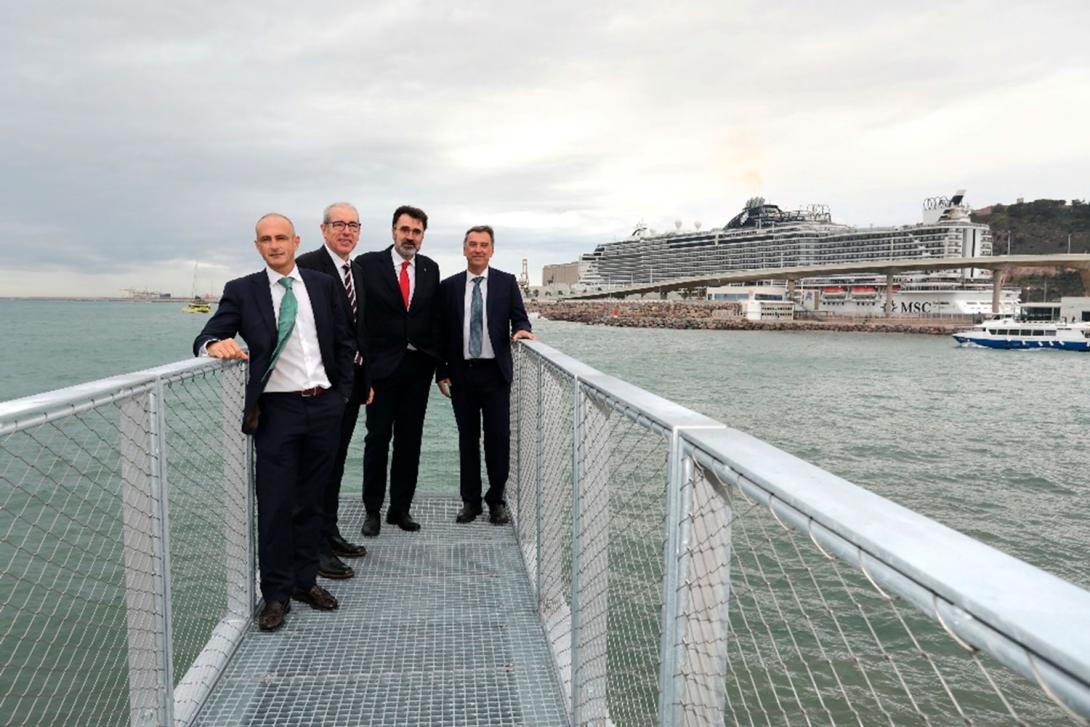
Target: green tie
(288, 306)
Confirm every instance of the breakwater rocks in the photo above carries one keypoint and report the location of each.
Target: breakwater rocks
(724, 316)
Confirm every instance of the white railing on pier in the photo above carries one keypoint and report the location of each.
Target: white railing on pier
(126, 549)
(685, 573)
(689, 574)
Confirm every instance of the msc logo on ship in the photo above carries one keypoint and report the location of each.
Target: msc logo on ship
(918, 306)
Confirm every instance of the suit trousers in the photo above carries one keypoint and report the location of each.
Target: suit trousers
(482, 394)
(331, 497)
(401, 400)
(295, 442)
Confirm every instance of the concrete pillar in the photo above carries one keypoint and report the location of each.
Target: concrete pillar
(1085, 275)
(887, 309)
(998, 278)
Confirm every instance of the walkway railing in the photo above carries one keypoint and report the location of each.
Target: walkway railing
(685, 573)
(126, 558)
(689, 574)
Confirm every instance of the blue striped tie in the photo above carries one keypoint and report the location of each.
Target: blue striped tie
(476, 319)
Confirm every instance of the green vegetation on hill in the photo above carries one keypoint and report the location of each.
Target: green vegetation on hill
(1036, 228)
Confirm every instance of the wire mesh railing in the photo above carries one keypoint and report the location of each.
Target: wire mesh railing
(125, 546)
(688, 574)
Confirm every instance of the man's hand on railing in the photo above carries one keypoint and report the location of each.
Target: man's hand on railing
(521, 335)
(227, 348)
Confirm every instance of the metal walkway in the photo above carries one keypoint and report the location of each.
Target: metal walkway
(438, 627)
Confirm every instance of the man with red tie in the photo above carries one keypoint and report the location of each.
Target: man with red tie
(400, 336)
(341, 231)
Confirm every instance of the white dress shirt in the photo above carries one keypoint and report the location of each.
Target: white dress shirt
(300, 364)
(338, 263)
(486, 344)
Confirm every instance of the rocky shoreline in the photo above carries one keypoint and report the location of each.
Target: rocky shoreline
(723, 316)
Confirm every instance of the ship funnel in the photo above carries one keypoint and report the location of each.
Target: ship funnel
(698, 224)
(677, 224)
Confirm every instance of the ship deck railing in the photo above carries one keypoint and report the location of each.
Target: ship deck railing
(662, 568)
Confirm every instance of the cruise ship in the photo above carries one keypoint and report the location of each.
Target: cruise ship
(763, 236)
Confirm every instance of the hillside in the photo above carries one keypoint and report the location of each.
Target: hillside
(1038, 227)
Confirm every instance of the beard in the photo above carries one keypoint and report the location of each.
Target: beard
(405, 249)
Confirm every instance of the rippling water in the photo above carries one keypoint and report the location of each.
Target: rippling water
(992, 443)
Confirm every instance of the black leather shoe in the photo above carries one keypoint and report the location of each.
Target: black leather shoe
(317, 598)
(371, 525)
(403, 520)
(468, 513)
(272, 615)
(330, 566)
(345, 549)
(498, 514)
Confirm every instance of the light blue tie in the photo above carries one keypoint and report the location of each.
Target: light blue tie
(476, 319)
(288, 308)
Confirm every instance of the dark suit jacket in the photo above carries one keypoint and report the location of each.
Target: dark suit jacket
(387, 327)
(319, 260)
(246, 309)
(505, 313)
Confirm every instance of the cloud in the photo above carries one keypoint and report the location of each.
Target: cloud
(144, 136)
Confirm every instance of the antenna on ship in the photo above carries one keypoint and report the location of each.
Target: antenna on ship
(524, 277)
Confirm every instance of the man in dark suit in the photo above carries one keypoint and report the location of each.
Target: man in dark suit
(400, 336)
(480, 310)
(341, 231)
(300, 352)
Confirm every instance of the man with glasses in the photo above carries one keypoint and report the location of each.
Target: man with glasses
(400, 335)
(341, 231)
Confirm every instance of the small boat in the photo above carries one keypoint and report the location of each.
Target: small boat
(197, 304)
(1013, 333)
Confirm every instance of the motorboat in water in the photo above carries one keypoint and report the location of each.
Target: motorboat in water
(1014, 333)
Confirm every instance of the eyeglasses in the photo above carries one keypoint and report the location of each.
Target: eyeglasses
(340, 225)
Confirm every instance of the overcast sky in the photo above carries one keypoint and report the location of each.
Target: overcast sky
(140, 137)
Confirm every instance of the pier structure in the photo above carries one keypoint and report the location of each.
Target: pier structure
(1000, 265)
(662, 568)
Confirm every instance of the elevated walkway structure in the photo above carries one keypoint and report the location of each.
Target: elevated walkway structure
(662, 568)
(438, 627)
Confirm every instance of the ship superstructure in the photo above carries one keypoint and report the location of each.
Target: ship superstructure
(763, 236)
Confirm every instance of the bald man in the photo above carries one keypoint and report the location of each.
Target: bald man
(300, 352)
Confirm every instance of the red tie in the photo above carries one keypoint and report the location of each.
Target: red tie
(405, 283)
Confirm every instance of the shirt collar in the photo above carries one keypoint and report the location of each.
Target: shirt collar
(337, 262)
(470, 274)
(274, 277)
(398, 259)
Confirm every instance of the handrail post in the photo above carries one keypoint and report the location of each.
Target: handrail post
(590, 560)
(147, 562)
(576, 555)
(704, 618)
(516, 413)
(675, 549)
(238, 499)
(539, 484)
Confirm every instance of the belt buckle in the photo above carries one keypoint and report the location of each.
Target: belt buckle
(311, 392)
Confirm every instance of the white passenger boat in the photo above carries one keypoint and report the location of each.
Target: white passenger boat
(1012, 333)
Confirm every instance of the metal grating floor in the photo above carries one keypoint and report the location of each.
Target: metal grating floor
(437, 628)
